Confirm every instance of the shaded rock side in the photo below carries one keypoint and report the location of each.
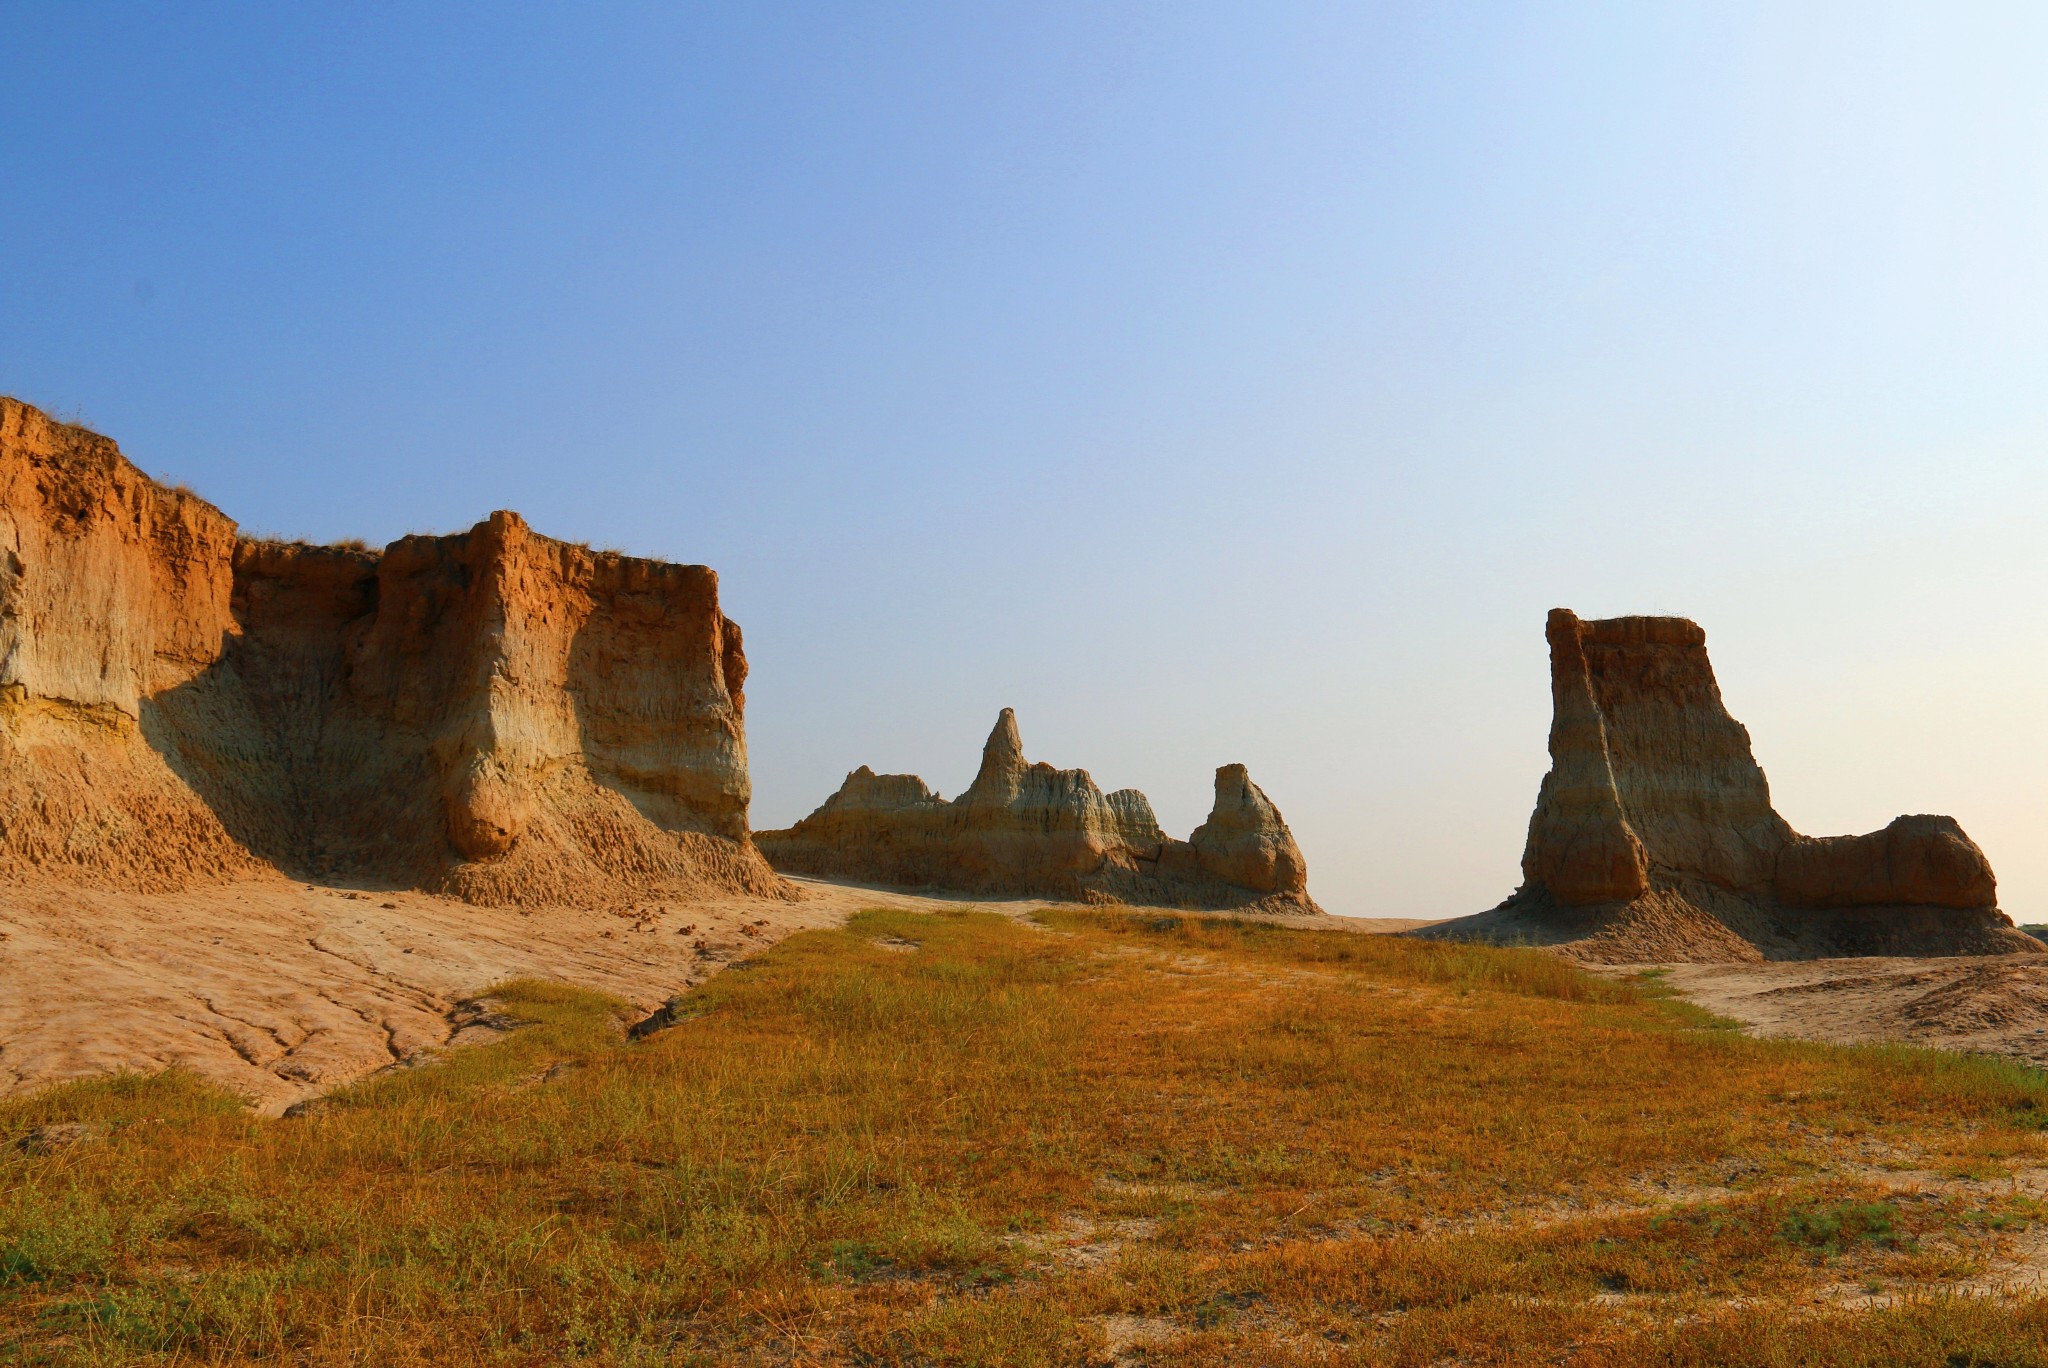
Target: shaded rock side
(1029, 829)
(1654, 836)
(494, 714)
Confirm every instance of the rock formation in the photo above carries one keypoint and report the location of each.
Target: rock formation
(1030, 829)
(493, 714)
(1654, 835)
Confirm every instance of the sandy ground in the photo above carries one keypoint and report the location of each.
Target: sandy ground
(1989, 1004)
(280, 990)
(1381, 926)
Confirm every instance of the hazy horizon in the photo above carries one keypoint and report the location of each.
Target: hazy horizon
(1209, 384)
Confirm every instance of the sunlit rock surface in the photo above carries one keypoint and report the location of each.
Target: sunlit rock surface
(1029, 829)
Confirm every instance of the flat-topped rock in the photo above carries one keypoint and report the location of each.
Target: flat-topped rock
(1654, 836)
(493, 714)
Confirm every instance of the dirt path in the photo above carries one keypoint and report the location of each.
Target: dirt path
(1991, 1004)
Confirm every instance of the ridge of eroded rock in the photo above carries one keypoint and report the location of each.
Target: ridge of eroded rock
(494, 713)
(1030, 829)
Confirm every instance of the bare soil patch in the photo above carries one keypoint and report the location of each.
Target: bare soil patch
(1989, 1005)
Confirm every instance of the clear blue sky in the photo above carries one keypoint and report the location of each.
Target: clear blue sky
(1208, 382)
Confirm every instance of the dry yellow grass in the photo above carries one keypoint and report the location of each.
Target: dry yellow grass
(1111, 1137)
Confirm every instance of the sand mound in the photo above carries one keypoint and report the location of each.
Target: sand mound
(1989, 997)
(1982, 1004)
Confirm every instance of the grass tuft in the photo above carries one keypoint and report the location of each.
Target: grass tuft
(1843, 1225)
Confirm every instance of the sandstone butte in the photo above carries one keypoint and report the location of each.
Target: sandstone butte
(494, 715)
(1654, 837)
(1032, 830)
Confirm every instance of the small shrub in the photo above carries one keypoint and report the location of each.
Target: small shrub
(1834, 1229)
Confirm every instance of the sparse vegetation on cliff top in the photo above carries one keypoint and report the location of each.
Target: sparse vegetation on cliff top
(965, 1139)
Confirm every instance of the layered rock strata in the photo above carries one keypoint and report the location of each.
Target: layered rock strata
(1030, 829)
(494, 714)
(1654, 836)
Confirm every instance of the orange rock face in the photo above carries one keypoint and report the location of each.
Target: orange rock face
(1917, 861)
(1030, 829)
(1654, 836)
(494, 713)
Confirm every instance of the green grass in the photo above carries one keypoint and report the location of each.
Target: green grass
(1842, 1225)
(1263, 1145)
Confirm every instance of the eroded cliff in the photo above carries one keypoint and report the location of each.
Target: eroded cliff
(1030, 829)
(1654, 836)
(494, 714)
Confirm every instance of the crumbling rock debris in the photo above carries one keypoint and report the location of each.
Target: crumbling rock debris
(1029, 829)
(676, 1009)
(479, 1021)
(1654, 837)
(492, 714)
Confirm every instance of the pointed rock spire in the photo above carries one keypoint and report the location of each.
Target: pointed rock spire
(1002, 763)
(1025, 828)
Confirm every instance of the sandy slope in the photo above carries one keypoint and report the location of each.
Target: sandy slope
(1983, 1004)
